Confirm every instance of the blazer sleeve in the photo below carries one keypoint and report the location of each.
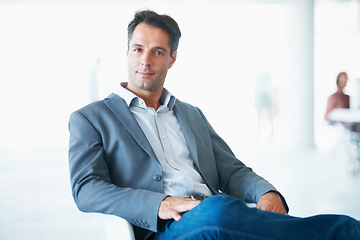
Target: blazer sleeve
(91, 185)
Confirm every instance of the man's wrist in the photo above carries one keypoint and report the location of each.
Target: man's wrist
(282, 200)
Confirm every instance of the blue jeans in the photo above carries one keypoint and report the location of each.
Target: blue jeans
(226, 217)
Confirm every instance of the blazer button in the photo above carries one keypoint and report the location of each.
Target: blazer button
(157, 178)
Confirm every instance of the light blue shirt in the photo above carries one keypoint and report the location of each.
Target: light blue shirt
(164, 134)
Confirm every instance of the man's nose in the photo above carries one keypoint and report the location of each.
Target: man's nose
(146, 58)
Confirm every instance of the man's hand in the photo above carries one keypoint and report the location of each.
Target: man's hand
(174, 207)
(272, 202)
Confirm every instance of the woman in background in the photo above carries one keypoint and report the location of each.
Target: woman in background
(339, 99)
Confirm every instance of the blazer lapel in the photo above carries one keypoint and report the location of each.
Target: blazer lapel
(119, 108)
(198, 150)
(188, 134)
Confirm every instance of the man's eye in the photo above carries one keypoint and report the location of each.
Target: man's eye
(159, 53)
(137, 50)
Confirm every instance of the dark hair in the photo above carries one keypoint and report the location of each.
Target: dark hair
(164, 22)
(338, 77)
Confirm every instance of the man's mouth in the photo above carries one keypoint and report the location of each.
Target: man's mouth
(145, 73)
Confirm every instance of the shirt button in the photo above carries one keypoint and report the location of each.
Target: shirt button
(163, 137)
(157, 178)
(186, 173)
(171, 161)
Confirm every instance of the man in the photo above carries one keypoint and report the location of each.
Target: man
(145, 156)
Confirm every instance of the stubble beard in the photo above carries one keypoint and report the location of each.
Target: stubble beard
(147, 84)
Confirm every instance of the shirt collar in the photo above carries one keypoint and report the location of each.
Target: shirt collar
(166, 98)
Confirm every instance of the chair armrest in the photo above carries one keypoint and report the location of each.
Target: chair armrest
(118, 228)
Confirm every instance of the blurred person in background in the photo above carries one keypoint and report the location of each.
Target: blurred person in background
(338, 99)
(264, 103)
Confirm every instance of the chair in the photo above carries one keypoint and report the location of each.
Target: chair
(118, 228)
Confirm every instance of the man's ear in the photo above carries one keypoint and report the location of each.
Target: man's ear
(172, 59)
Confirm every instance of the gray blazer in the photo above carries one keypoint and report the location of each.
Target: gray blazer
(114, 170)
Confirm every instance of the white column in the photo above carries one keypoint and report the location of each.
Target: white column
(297, 102)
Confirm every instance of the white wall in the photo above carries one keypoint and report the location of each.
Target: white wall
(48, 50)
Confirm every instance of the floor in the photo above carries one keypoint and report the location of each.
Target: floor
(36, 202)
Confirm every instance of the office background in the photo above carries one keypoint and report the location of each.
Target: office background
(57, 56)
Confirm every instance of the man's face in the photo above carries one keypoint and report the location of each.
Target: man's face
(148, 58)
